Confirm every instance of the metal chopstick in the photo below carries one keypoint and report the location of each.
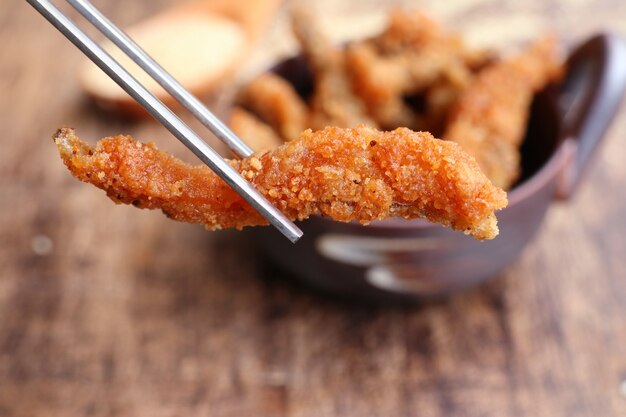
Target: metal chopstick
(156, 71)
(164, 115)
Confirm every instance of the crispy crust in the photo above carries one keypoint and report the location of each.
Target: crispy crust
(347, 174)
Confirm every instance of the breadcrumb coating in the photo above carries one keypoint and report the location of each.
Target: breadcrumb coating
(359, 174)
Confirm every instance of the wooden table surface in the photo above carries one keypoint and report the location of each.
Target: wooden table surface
(112, 311)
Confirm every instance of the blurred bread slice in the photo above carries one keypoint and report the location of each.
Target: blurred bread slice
(200, 44)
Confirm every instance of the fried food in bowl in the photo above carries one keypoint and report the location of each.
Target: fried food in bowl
(507, 110)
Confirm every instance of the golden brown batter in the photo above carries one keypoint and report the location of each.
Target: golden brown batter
(359, 174)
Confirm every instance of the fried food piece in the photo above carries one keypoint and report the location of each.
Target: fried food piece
(379, 82)
(254, 132)
(413, 30)
(357, 174)
(276, 102)
(407, 29)
(333, 102)
(490, 117)
(412, 57)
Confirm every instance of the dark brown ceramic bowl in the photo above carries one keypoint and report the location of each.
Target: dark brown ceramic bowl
(406, 260)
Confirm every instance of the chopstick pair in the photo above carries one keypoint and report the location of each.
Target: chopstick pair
(159, 110)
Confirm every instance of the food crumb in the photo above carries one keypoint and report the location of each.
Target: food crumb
(256, 163)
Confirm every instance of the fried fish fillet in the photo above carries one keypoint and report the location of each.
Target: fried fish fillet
(358, 174)
(489, 118)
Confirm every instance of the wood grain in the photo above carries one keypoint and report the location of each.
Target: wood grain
(130, 314)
